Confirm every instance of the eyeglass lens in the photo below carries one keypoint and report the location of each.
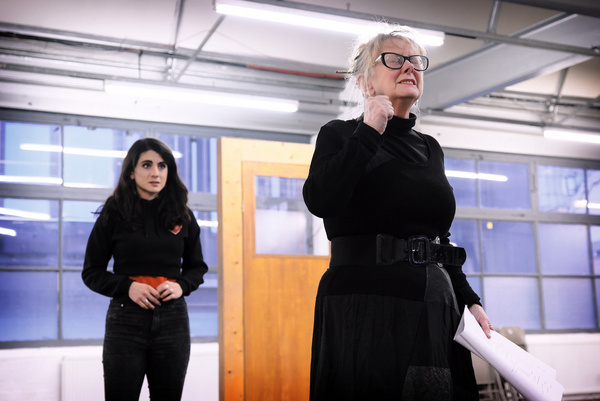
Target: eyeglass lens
(396, 61)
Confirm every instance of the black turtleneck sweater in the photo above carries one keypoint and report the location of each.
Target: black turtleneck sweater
(361, 182)
(150, 250)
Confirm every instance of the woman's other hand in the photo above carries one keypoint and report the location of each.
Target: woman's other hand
(169, 290)
(144, 295)
(482, 319)
(378, 111)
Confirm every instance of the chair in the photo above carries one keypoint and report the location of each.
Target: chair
(516, 335)
(489, 382)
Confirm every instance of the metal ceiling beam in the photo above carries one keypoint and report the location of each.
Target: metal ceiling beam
(578, 109)
(178, 15)
(494, 17)
(583, 7)
(199, 49)
(497, 66)
(539, 124)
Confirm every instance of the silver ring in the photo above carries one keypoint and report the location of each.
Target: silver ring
(146, 301)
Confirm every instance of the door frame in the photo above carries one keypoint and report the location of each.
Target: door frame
(232, 154)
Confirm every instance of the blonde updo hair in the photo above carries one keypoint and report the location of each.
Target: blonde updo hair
(366, 50)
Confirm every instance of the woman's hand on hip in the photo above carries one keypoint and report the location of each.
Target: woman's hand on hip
(169, 290)
(144, 295)
(378, 111)
(482, 318)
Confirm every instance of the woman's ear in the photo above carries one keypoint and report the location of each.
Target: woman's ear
(363, 85)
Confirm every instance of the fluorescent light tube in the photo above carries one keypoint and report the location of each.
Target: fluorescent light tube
(25, 214)
(584, 203)
(315, 20)
(8, 232)
(208, 223)
(565, 135)
(30, 180)
(476, 176)
(117, 154)
(214, 98)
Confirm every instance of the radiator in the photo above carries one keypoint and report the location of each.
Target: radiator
(81, 379)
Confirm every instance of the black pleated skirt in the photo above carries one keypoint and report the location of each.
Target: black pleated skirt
(386, 333)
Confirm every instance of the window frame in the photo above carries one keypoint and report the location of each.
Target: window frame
(204, 202)
(208, 201)
(536, 217)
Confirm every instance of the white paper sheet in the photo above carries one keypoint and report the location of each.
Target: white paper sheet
(534, 379)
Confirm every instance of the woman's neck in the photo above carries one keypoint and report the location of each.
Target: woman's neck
(402, 108)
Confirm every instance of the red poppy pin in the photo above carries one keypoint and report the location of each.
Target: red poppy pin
(176, 229)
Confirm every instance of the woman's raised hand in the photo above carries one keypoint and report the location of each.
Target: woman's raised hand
(378, 111)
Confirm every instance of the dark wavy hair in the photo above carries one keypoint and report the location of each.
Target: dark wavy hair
(125, 201)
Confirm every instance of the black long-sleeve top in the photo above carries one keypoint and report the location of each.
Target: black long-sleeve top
(150, 250)
(361, 182)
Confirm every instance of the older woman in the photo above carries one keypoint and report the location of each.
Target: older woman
(389, 304)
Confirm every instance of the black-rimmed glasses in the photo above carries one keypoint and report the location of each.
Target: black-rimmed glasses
(395, 61)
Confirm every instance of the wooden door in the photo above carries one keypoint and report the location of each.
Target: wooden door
(269, 272)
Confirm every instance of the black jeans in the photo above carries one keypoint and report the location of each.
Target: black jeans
(153, 343)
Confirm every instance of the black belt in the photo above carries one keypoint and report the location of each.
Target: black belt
(383, 249)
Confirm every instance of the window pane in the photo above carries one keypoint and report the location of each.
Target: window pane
(568, 303)
(28, 233)
(464, 234)
(475, 283)
(561, 189)
(462, 179)
(203, 308)
(30, 153)
(510, 194)
(283, 224)
(518, 306)
(84, 311)
(93, 156)
(78, 220)
(196, 161)
(28, 303)
(208, 222)
(595, 235)
(598, 298)
(563, 249)
(508, 247)
(593, 184)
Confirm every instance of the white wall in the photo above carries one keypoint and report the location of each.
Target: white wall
(576, 358)
(37, 374)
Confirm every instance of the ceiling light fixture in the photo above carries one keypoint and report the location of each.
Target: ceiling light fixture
(564, 135)
(476, 176)
(311, 19)
(212, 98)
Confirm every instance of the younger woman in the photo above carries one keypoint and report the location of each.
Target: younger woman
(154, 239)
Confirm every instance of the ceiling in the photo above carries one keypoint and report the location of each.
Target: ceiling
(529, 62)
